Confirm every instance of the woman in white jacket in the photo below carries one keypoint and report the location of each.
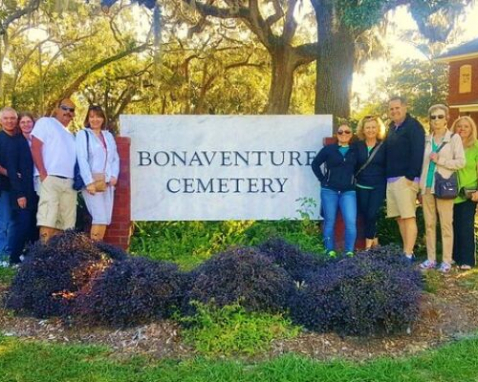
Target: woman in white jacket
(444, 154)
(98, 160)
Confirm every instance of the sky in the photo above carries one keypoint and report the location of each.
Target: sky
(363, 84)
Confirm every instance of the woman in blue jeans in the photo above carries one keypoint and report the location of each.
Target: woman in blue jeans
(337, 188)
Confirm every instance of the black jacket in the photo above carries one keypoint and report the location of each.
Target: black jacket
(17, 159)
(339, 169)
(404, 149)
(374, 174)
(5, 140)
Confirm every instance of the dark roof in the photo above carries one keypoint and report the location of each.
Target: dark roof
(469, 47)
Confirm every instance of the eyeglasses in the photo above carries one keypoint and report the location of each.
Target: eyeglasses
(347, 132)
(66, 108)
(441, 116)
(94, 107)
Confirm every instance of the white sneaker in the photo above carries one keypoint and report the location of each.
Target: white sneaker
(428, 264)
(444, 268)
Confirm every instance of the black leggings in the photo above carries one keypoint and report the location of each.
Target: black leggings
(369, 203)
(464, 233)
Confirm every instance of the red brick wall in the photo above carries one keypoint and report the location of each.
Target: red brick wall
(455, 113)
(473, 115)
(119, 232)
(454, 97)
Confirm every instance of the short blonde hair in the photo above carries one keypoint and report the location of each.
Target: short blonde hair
(471, 140)
(368, 118)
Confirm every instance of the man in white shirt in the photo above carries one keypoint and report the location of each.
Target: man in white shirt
(54, 154)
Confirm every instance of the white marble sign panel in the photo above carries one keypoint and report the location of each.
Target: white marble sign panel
(188, 167)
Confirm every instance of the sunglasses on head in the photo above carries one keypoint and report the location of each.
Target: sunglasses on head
(347, 132)
(66, 108)
(441, 116)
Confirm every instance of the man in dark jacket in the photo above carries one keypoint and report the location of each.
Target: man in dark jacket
(8, 120)
(405, 144)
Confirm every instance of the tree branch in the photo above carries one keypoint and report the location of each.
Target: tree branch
(73, 87)
(290, 25)
(32, 6)
(278, 13)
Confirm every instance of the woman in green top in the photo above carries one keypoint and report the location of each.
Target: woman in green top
(465, 205)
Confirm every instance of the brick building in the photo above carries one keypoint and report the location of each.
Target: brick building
(463, 79)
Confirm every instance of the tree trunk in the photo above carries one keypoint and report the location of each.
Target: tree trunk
(284, 63)
(335, 65)
(3, 55)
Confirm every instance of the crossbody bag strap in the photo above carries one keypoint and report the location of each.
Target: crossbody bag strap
(87, 143)
(444, 143)
(370, 158)
(105, 145)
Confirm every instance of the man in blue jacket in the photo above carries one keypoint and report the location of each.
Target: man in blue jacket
(405, 145)
(8, 121)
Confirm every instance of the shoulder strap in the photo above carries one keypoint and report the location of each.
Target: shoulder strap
(444, 143)
(87, 143)
(370, 158)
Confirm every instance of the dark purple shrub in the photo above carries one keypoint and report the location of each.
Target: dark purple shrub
(242, 274)
(391, 254)
(296, 263)
(371, 293)
(48, 281)
(114, 252)
(130, 292)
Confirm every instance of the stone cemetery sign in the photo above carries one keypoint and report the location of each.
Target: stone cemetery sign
(223, 167)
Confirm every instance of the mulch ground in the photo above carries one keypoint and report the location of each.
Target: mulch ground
(449, 313)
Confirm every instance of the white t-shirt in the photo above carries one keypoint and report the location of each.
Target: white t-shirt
(58, 150)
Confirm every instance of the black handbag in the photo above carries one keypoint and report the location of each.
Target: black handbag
(446, 188)
(78, 183)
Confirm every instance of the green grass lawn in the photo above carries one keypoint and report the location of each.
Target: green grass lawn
(23, 361)
(6, 275)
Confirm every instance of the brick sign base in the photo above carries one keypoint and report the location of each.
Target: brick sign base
(119, 232)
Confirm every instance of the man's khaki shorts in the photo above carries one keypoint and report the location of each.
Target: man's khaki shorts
(57, 205)
(402, 198)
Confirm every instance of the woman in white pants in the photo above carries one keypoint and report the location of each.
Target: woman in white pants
(98, 161)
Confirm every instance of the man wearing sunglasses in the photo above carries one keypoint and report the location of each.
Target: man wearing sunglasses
(54, 154)
(405, 144)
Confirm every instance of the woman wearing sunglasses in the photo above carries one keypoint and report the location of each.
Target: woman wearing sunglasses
(464, 207)
(337, 188)
(371, 178)
(443, 156)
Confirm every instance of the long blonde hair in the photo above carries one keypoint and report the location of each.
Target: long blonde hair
(471, 140)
